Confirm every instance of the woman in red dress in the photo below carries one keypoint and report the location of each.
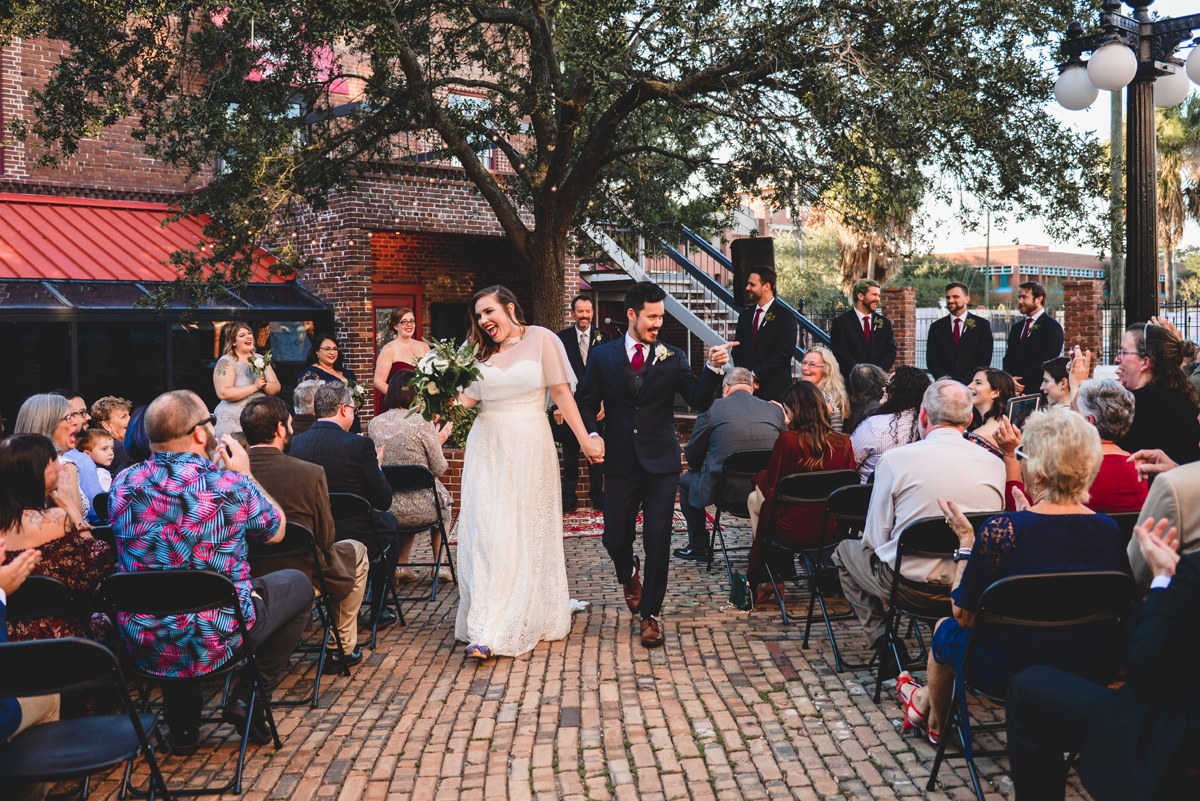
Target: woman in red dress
(808, 445)
(401, 353)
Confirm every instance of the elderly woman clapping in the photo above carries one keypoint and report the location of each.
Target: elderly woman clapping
(1061, 455)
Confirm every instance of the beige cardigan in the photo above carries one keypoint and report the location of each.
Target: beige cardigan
(1174, 495)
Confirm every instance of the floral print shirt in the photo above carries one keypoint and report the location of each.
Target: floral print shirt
(177, 511)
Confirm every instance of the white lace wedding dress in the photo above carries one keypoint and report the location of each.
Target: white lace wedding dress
(512, 576)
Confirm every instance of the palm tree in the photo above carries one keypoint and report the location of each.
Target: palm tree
(1178, 131)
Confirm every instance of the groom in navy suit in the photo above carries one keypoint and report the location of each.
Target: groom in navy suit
(636, 378)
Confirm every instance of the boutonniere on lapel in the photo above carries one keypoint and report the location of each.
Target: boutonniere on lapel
(769, 317)
(596, 337)
(1033, 328)
(661, 352)
(970, 323)
(878, 323)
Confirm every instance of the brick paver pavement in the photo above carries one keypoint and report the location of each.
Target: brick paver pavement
(730, 708)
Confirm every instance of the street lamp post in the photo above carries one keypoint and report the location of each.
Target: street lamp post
(1138, 53)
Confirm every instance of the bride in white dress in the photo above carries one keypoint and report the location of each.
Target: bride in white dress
(512, 576)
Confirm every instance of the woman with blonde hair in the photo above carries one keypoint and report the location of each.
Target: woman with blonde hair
(235, 382)
(820, 367)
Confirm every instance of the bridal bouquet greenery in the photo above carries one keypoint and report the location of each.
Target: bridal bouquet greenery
(357, 392)
(259, 363)
(442, 373)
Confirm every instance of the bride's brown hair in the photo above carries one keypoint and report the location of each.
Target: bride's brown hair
(488, 346)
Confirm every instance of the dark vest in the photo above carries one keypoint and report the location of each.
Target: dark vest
(636, 378)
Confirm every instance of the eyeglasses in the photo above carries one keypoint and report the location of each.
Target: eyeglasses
(210, 420)
(70, 416)
(1020, 453)
(328, 349)
(407, 323)
(1122, 353)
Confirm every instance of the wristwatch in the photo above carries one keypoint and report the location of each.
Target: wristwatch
(962, 554)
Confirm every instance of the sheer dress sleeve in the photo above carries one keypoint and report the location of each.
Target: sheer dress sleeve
(556, 368)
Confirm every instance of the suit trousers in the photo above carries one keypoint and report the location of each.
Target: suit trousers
(35, 710)
(570, 468)
(697, 520)
(281, 612)
(347, 608)
(867, 581)
(654, 495)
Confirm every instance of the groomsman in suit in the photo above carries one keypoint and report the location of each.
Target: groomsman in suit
(863, 334)
(769, 335)
(579, 340)
(1032, 341)
(959, 343)
(637, 378)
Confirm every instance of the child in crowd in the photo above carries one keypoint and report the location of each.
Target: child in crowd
(98, 444)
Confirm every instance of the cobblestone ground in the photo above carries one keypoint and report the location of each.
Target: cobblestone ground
(731, 708)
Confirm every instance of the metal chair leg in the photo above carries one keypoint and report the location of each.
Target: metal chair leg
(778, 594)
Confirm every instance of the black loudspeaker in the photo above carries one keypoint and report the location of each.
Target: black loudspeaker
(747, 254)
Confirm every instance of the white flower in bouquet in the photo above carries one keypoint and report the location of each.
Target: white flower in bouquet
(259, 362)
(432, 388)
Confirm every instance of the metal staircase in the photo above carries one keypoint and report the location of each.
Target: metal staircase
(694, 297)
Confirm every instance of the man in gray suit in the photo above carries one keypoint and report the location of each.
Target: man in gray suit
(737, 421)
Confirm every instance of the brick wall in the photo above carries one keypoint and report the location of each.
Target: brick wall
(899, 304)
(1083, 316)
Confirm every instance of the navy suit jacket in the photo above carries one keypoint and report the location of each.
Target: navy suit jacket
(350, 466)
(850, 347)
(770, 353)
(974, 349)
(1135, 732)
(640, 429)
(1023, 360)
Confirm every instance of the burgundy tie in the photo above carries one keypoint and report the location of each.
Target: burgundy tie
(1025, 332)
(957, 332)
(867, 329)
(638, 360)
(754, 331)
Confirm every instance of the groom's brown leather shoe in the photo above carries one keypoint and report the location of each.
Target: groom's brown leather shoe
(652, 633)
(633, 589)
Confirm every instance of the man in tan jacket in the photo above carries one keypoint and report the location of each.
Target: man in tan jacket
(302, 491)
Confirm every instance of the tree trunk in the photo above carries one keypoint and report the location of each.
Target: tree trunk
(547, 259)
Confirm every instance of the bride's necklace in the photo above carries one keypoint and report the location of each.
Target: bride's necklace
(514, 340)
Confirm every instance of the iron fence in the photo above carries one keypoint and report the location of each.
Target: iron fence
(1184, 315)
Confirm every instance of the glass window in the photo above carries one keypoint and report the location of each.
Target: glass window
(124, 359)
(40, 359)
(27, 294)
(100, 294)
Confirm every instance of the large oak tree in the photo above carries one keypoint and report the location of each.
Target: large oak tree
(655, 110)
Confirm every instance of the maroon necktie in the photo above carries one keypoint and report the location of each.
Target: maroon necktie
(638, 359)
(957, 332)
(1025, 332)
(754, 331)
(867, 329)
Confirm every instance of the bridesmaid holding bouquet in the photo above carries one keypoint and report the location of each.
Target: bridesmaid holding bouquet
(402, 353)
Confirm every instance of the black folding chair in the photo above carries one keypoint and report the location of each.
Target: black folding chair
(1126, 522)
(71, 749)
(348, 506)
(929, 537)
(733, 487)
(298, 541)
(40, 597)
(100, 506)
(846, 502)
(406, 478)
(166, 593)
(1046, 600)
(106, 535)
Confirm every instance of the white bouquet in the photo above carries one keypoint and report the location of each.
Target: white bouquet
(442, 373)
(259, 363)
(357, 391)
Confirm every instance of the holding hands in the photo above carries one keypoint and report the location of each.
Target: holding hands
(593, 449)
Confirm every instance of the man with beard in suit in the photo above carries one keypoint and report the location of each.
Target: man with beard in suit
(863, 334)
(959, 343)
(579, 340)
(1033, 341)
(767, 333)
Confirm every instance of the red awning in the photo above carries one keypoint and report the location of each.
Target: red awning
(59, 238)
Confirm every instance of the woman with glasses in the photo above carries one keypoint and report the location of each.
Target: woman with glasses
(821, 368)
(1164, 412)
(51, 416)
(401, 353)
(235, 382)
(325, 364)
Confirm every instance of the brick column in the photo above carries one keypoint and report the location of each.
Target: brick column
(899, 304)
(1083, 316)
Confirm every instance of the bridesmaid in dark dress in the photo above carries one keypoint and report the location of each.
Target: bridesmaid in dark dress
(325, 364)
(401, 353)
